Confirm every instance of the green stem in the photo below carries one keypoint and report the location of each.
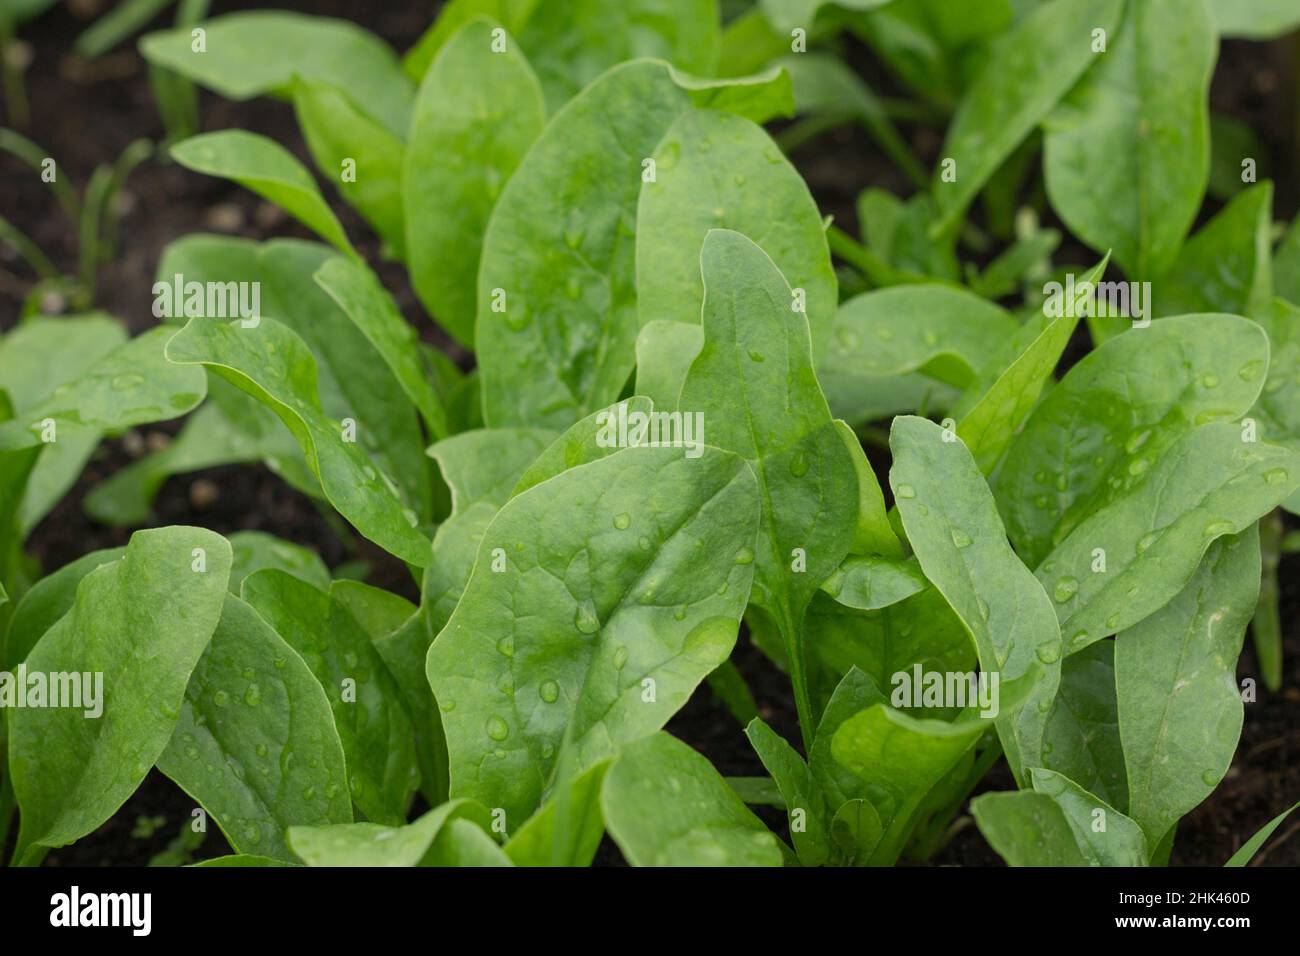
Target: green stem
(11, 76)
(1267, 625)
(35, 157)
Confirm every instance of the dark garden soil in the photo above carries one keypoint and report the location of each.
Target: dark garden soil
(85, 114)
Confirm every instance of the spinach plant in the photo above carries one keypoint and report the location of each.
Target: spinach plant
(661, 449)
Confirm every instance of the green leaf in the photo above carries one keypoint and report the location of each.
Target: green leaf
(45, 602)
(1082, 728)
(357, 153)
(568, 828)
(1248, 849)
(998, 406)
(1027, 829)
(272, 364)
(894, 347)
(1031, 67)
(754, 384)
(665, 805)
(142, 624)
(664, 353)
(475, 116)
(591, 439)
(953, 525)
(1180, 711)
(238, 860)
(612, 607)
(36, 358)
(367, 303)
(899, 759)
(786, 15)
(873, 535)
(131, 385)
(452, 16)
(372, 723)
(1227, 265)
(268, 169)
(1286, 264)
(759, 194)
(557, 309)
(257, 550)
(572, 43)
(1095, 437)
(255, 744)
(1104, 835)
(1278, 408)
(1145, 109)
(871, 582)
(256, 53)
(803, 797)
(1255, 19)
(1208, 485)
(370, 844)
(921, 630)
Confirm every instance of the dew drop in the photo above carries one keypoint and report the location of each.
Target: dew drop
(905, 491)
(1066, 588)
(622, 521)
(1210, 380)
(1138, 466)
(122, 383)
(745, 556)
(585, 619)
(799, 465)
(960, 538)
(1251, 371)
(253, 696)
(1216, 528)
(496, 728)
(221, 698)
(507, 645)
(757, 356)
(1146, 541)
(549, 691)
(1049, 652)
(620, 656)
(1275, 476)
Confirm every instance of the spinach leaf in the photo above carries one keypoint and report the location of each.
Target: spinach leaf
(665, 805)
(373, 725)
(896, 349)
(357, 153)
(255, 742)
(1145, 108)
(1180, 712)
(475, 116)
(140, 624)
(953, 525)
(131, 385)
(1031, 67)
(372, 844)
(759, 195)
(268, 169)
(590, 631)
(1095, 437)
(259, 52)
(754, 384)
(273, 365)
(557, 308)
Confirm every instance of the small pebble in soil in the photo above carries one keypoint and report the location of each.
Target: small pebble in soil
(225, 217)
(204, 493)
(133, 444)
(157, 441)
(268, 215)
